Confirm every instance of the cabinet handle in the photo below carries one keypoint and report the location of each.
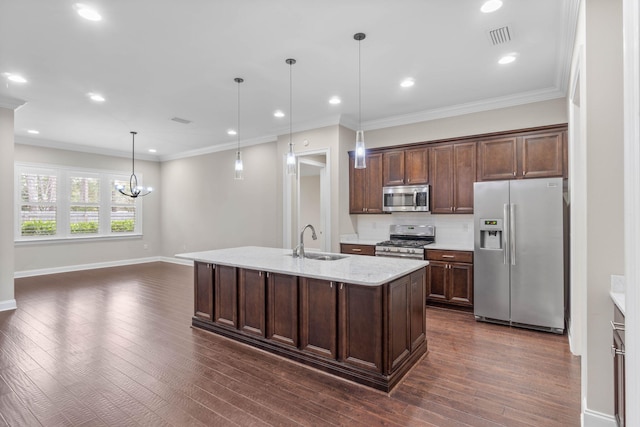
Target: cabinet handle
(448, 256)
(616, 326)
(514, 173)
(267, 273)
(524, 173)
(616, 352)
(331, 285)
(260, 273)
(356, 250)
(341, 284)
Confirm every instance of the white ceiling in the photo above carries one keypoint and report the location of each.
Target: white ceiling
(158, 59)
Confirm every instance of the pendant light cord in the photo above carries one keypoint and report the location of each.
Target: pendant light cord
(291, 62)
(238, 133)
(133, 153)
(359, 90)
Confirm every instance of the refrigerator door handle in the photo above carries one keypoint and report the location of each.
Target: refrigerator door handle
(512, 232)
(505, 234)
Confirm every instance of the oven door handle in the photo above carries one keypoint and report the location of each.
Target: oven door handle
(397, 255)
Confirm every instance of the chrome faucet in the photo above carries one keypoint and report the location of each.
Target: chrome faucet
(298, 251)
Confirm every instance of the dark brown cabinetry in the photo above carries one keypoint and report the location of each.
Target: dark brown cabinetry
(282, 308)
(453, 172)
(618, 351)
(405, 167)
(319, 317)
(535, 155)
(348, 248)
(450, 277)
(252, 302)
(203, 290)
(368, 334)
(365, 185)
(226, 292)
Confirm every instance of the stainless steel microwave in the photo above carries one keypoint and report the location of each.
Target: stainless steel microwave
(405, 198)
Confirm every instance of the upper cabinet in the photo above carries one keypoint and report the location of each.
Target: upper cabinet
(534, 155)
(365, 185)
(405, 167)
(453, 172)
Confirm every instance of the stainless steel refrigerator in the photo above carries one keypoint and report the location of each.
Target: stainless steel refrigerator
(519, 253)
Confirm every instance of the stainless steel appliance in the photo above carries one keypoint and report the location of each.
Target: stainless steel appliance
(407, 241)
(519, 256)
(405, 198)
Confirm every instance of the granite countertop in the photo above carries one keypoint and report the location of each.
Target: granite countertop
(618, 300)
(360, 270)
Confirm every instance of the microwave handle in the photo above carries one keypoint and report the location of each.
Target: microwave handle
(415, 199)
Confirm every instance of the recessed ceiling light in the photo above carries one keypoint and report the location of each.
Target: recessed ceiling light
(33, 131)
(278, 114)
(232, 132)
(87, 12)
(16, 78)
(96, 97)
(507, 59)
(491, 6)
(152, 150)
(335, 100)
(408, 82)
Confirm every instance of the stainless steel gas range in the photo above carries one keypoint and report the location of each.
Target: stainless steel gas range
(407, 241)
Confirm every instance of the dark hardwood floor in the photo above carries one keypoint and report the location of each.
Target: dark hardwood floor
(114, 347)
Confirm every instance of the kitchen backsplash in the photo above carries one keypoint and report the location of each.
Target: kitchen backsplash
(450, 229)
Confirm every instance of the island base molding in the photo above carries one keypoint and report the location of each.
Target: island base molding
(335, 367)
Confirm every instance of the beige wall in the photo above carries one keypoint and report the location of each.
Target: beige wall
(55, 255)
(6, 213)
(602, 101)
(203, 207)
(310, 208)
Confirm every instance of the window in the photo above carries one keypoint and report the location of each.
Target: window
(61, 203)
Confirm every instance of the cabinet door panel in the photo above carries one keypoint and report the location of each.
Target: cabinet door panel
(418, 326)
(226, 292)
(497, 159)
(393, 168)
(252, 303)
(416, 168)
(399, 322)
(442, 179)
(373, 174)
(542, 155)
(203, 290)
(361, 326)
(464, 166)
(437, 281)
(282, 303)
(318, 317)
(461, 288)
(357, 188)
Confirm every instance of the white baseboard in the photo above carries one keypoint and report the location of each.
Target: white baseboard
(69, 268)
(177, 261)
(592, 418)
(9, 304)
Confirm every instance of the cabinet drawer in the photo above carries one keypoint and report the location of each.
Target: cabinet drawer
(452, 256)
(357, 249)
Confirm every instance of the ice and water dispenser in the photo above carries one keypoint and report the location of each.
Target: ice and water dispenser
(491, 233)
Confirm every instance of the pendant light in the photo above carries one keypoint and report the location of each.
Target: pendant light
(134, 189)
(238, 167)
(291, 157)
(360, 162)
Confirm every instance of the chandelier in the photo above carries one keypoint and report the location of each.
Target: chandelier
(134, 189)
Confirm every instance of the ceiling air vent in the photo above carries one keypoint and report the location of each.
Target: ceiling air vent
(183, 121)
(500, 35)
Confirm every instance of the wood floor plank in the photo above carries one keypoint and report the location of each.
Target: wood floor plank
(115, 346)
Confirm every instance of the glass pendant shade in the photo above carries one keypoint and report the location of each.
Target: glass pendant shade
(291, 161)
(239, 173)
(360, 162)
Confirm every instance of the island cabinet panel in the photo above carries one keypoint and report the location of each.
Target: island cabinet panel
(203, 290)
(252, 302)
(226, 294)
(282, 309)
(319, 317)
(361, 326)
(399, 322)
(417, 309)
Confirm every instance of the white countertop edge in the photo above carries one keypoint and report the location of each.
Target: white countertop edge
(436, 246)
(202, 257)
(618, 300)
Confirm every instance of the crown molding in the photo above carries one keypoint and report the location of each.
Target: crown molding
(11, 103)
(570, 14)
(219, 147)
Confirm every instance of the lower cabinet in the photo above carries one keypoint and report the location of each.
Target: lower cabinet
(357, 249)
(368, 334)
(450, 277)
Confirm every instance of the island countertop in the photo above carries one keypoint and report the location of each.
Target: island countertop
(356, 269)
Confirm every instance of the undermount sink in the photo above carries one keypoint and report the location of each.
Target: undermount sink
(322, 256)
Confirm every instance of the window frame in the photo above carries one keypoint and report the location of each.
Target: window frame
(63, 203)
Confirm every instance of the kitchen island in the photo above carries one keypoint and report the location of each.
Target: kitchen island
(360, 318)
